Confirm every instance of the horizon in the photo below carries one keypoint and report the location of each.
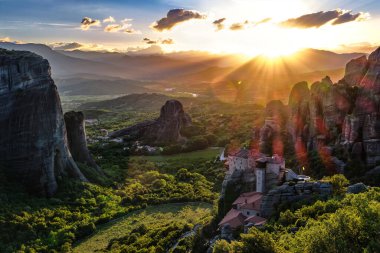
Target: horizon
(240, 27)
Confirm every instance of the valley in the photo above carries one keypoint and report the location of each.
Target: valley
(190, 151)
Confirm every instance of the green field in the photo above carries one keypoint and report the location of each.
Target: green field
(152, 217)
(206, 154)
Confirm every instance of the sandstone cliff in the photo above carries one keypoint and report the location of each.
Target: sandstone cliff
(33, 144)
(163, 130)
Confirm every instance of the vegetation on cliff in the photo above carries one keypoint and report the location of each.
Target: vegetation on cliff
(342, 224)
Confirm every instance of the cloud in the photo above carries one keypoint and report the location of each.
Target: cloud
(131, 31)
(88, 22)
(113, 28)
(151, 50)
(348, 17)
(239, 26)
(167, 42)
(125, 27)
(263, 21)
(159, 41)
(149, 41)
(67, 46)
(110, 19)
(321, 18)
(8, 39)
(70, 46)
(174, 17)
(361, 47)
(5, 39)
(219, 24)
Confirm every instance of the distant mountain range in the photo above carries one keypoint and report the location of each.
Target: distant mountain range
(224, 76)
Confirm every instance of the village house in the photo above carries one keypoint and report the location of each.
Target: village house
(269, 171)
(248, 203)
(245, 159)
(245, 211)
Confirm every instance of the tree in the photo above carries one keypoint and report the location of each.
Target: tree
(222, 246)
(256, 241)
(339, 183)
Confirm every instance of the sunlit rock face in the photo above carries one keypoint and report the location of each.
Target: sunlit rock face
(346, 113)
(33, 146)
(163, 130)
(355, 71)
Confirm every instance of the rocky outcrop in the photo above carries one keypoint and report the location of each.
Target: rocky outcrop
(299, 113)
(357, 188)
(33, 144)
(288, 193)
(233, 185)
(367, 109)
(355, 71)
(164, 130)
(76, 136)
(276, 116)
(345, 115)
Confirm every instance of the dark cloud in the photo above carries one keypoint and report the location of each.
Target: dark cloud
(88, 22)
(167, 42)
(149, 41)
(161, 41)
(349, 17)
(239, 26)
(175, 17)
(219, 24)
(313, 20)
(321, 18)
(131, 31)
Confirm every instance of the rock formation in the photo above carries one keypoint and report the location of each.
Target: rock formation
(345, 114)
(366, 113)
(233, 185)
(276, 116)
(76, 136)
(33, 144)
(292, 193)
(163, 130)
(299, 112)
(355, 71)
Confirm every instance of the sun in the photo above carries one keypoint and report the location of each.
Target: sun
(279, 52)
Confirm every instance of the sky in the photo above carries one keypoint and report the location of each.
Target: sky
(250, 27)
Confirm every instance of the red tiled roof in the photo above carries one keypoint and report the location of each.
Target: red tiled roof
(249, 200)
(257, 220)
(234, 218)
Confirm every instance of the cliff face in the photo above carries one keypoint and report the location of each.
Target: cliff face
(33, 145)
(342, 115)
(163, 130)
